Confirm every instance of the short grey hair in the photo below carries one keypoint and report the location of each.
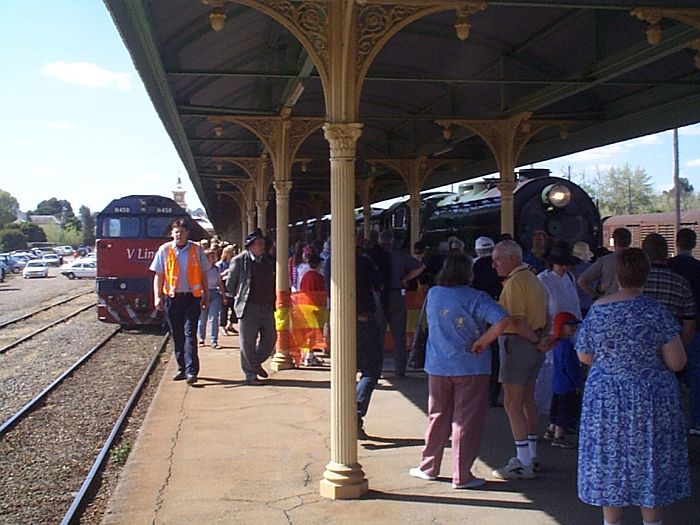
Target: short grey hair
(511, 248)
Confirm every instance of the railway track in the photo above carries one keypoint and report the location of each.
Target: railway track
(44, 308)
(54, 446)
(23, 328)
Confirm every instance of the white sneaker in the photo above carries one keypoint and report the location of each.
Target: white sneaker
(418, 473)
(514, 469)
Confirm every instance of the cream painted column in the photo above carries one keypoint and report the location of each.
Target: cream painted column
(364, 190)
(244, 233)
(261, 205)
(282, 360)
(366, 226)
(343, 477)
(414, 208)
(251, 220)
(507, 223)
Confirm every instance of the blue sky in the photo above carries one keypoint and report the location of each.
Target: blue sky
(77, 124)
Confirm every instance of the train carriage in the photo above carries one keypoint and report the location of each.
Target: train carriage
(129, 231)
(641, 225)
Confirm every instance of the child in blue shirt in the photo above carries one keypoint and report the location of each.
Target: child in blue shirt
(566, 381)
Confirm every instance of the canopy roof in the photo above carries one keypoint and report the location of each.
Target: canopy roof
(587, 66)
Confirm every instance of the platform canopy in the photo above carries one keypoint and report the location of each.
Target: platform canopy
(595, 71)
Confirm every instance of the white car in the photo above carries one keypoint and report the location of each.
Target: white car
(80, 269)
(35, 268)
(51, 259)
(63, 250)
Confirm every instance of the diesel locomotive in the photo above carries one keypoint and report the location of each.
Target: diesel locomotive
(129, 231)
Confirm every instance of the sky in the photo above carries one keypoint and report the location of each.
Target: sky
(76, 122)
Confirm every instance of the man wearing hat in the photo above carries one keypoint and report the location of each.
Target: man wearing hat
(251, 281)
(559, 282)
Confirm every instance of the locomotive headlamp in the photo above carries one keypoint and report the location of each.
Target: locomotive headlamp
(557, 195)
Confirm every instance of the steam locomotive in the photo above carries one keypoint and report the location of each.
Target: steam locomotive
(129, 231)
(540, 202)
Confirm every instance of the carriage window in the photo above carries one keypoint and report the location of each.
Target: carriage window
(158, 227)
(120, 227)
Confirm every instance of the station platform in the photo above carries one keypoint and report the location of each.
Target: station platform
(222, 452)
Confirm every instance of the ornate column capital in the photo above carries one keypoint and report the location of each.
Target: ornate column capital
(261, 203)
(342, 138)
(282, 188)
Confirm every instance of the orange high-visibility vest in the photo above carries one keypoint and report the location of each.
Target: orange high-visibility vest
(172, 271)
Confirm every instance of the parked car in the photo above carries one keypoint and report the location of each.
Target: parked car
(35, 268)
(79, 269)
(12, 264)
(51, 259)
(63, 250)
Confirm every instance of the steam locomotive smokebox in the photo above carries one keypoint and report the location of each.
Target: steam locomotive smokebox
(533, 173)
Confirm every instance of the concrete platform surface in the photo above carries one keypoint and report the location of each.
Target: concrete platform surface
(222, 452)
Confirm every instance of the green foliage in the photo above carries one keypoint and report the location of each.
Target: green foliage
(120, 453)
(666, 201)
(12, 239)
(8, 208)
(59, 236)
(620, 190)
(32, 232)
(88, 222)
(55, 207)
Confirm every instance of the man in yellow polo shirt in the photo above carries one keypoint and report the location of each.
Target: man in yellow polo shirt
(521, 351)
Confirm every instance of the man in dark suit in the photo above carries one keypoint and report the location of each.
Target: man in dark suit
(251, 281)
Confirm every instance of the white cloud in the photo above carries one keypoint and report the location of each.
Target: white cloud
(593, 155)
(45, 171)
(690, 130)
(57, 124)
(695, 163)
(88, 74)
(644, 141)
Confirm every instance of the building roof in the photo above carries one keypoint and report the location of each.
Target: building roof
(587, 64)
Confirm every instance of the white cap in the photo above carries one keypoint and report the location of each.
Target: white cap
(484, 243)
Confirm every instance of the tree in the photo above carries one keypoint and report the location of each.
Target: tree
(620, 190)
(8, 208)
(666, 201)
(88, 221)
(54, 207)
(12, 239)
(32, 232)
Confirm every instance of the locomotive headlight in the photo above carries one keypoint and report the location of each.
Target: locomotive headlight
(557, 195)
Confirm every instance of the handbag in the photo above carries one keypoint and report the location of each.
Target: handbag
(416, 359)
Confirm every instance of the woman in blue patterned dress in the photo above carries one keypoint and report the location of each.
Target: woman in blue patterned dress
(632, 443)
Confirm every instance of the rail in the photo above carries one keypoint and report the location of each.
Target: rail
(44, 328)
(73, 514)
(10, 422)
(43, 309)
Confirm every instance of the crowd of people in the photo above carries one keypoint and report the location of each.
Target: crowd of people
(626, 321)
(534, 324)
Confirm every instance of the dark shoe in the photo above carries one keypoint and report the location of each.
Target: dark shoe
(191, 379)
(254, 382)
(361, 434)
(180, 376)
(562, 442)
(261, 372)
